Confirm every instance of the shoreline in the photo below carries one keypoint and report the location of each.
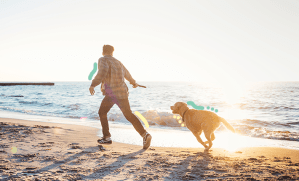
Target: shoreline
(171, 138)
(70, 152)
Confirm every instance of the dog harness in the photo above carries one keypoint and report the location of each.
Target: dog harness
(184, 115)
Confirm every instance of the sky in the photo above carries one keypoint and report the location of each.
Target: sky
(159, 40)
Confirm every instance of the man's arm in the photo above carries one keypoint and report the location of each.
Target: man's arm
(128, 75)
(102, 72)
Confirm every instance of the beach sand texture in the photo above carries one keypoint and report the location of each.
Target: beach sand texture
(32, 150)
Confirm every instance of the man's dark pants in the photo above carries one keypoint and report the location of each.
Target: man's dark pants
(124, 106)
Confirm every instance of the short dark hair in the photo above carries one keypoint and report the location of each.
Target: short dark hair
(108, 50)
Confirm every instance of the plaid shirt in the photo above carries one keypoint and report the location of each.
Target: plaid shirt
(112, 72)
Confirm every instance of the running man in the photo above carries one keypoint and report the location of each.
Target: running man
(112, 74)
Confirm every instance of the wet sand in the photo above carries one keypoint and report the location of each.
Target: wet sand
(32, 150)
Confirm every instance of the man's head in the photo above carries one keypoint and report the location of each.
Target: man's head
(108, 50)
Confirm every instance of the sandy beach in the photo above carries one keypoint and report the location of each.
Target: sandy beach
(32, 150)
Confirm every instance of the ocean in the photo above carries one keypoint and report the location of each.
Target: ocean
(262, 113)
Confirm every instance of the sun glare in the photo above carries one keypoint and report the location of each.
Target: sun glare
(234, 114)
(234, 142)
(233, 92)
(228, 141)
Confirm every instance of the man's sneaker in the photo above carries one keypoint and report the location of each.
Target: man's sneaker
(147, 141)
(105, 140)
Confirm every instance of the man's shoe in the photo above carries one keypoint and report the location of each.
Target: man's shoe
(105, 141)
(147, 141)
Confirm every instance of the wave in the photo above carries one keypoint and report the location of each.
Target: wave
(259, 123)
(261, 132)
(287, 108)
(37, 103)
(74, 106)
(19, 110)
(294, 123)
(16, 96)
(153, 118)
(28, 102)
(274, 108)
(247, 127)
(161, 118)
(11, 95)
(48, 104)
(264, 129)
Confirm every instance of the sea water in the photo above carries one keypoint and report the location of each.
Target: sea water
(262, 113)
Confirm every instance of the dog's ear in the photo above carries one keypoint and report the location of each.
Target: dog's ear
(182, 104)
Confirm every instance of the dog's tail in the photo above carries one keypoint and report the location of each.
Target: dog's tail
(227, 124)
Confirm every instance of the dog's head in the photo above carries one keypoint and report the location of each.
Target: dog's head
(177, 107)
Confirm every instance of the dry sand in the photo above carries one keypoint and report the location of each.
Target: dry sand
(50, 151)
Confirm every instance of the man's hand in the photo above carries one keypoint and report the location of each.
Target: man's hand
(135, 85)
(91, 90)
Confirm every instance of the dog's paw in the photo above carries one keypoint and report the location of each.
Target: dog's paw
(207, 149)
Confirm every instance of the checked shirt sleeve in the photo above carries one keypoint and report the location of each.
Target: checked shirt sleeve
(103, 68)
(128, 75)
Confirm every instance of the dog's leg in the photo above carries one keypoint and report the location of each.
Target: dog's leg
(197, 136)
(208, 135)
(212, 138)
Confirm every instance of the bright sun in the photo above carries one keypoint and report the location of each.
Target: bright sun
(233, 92)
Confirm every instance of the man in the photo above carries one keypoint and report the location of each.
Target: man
(111, 73)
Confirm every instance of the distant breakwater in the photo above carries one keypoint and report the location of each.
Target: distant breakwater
(26, 83)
